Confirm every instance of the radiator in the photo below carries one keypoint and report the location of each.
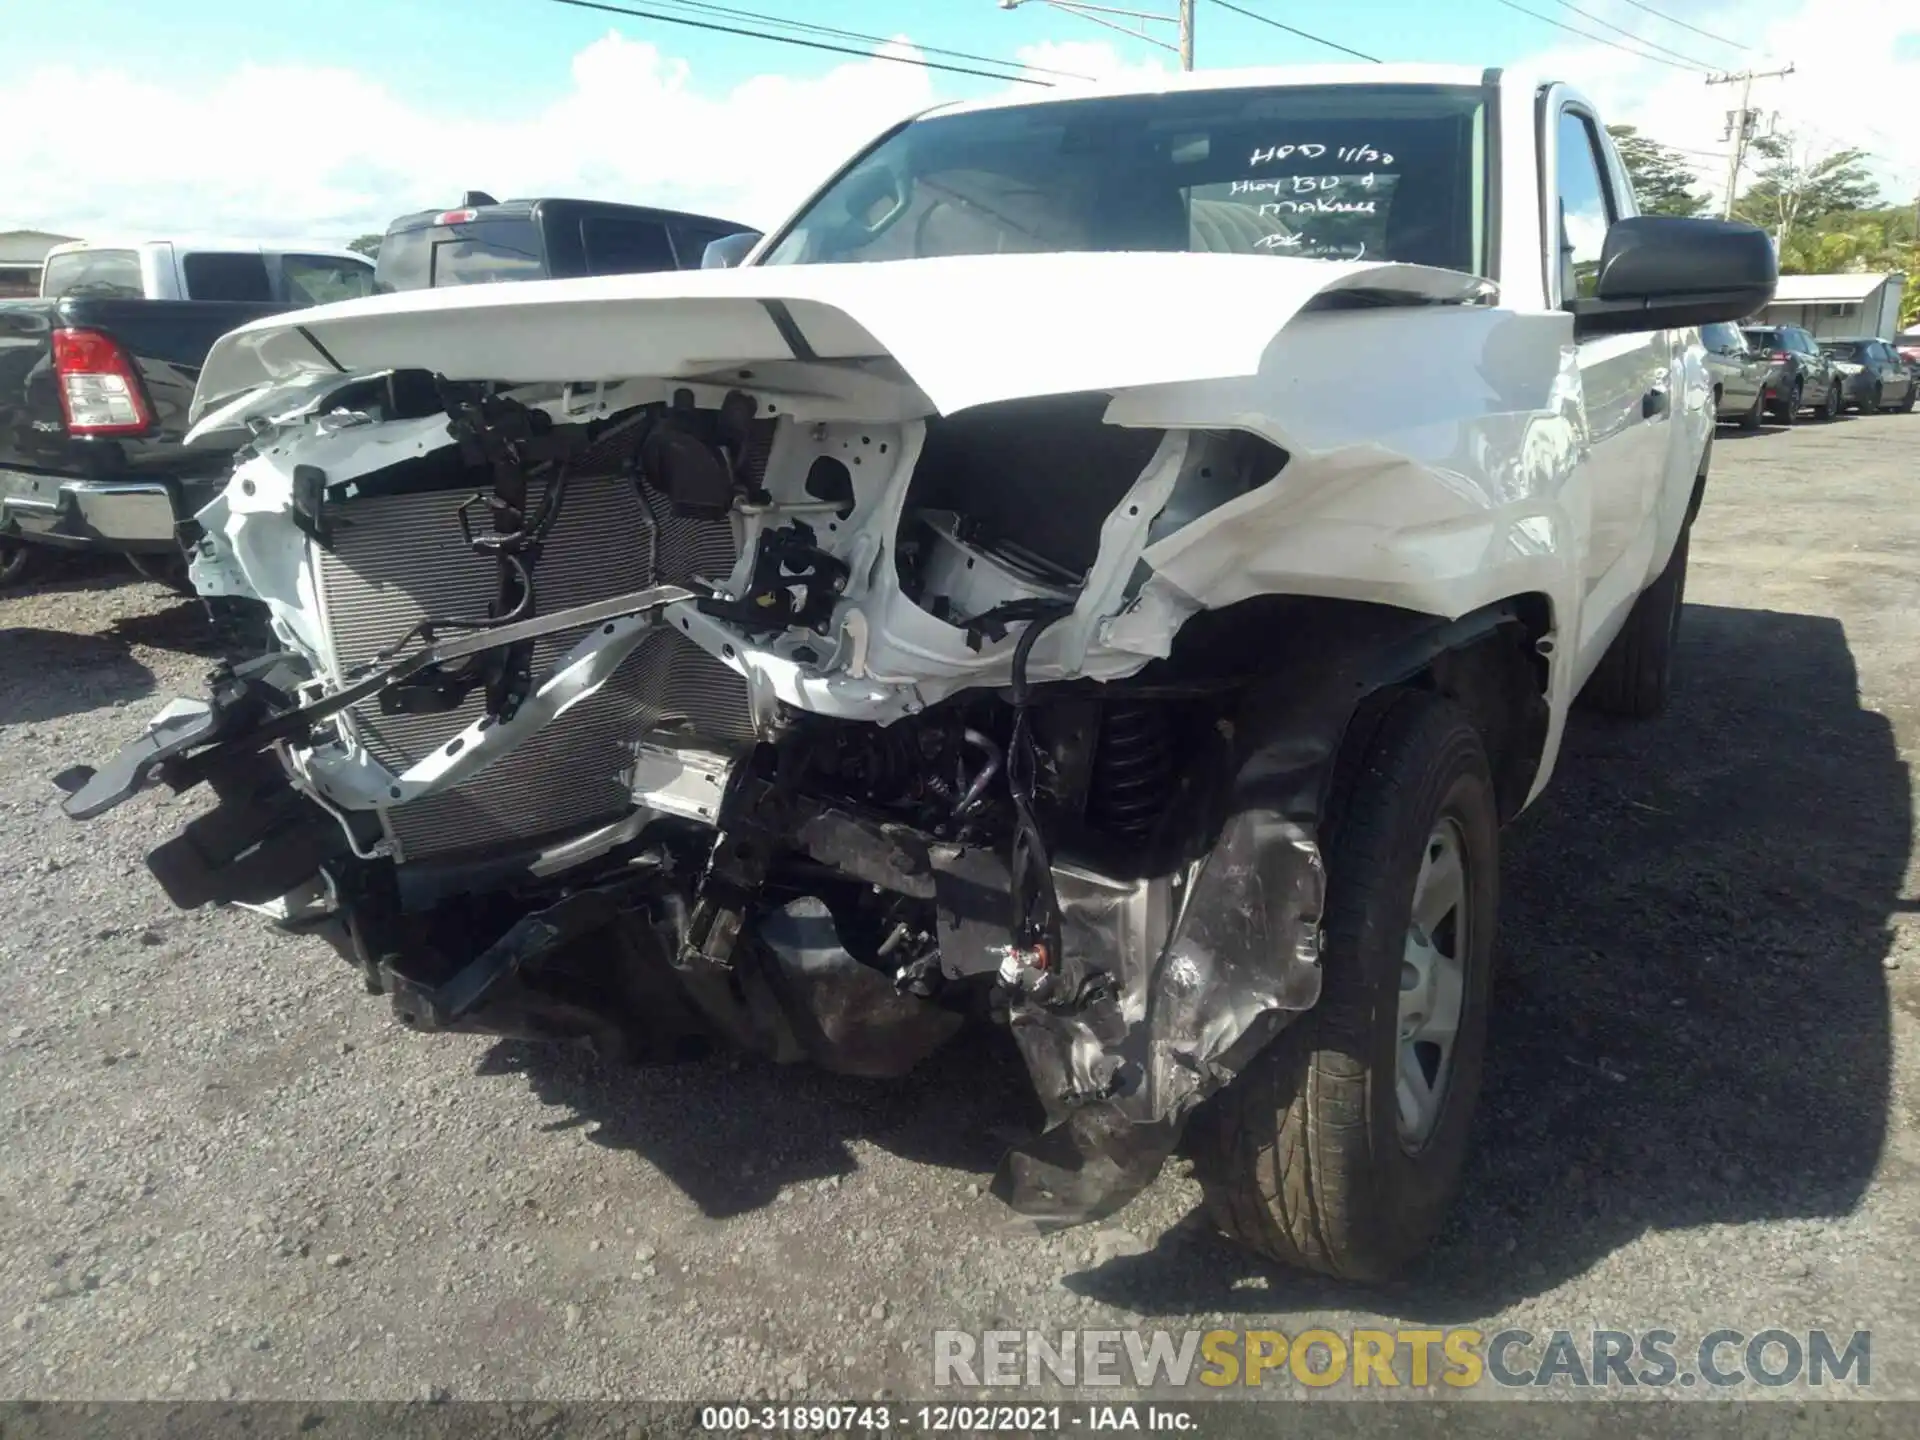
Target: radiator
(396, 559)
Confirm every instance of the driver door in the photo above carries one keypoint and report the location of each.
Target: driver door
(1625, 378)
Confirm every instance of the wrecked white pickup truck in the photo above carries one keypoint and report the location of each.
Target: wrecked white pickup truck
(1107, 567)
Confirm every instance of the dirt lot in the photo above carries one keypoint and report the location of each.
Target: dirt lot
(224, 1171)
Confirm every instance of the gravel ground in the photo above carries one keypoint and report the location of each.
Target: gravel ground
(225, 1172)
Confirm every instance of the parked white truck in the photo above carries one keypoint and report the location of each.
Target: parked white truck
(1107, 566)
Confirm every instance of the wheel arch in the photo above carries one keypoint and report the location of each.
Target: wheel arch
(1326, 658)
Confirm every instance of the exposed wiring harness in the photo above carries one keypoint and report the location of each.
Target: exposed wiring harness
(1034, 914)
(516, 549)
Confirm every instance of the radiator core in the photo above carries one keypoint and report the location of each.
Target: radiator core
(396, 559)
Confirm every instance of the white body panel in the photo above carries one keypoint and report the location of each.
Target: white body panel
(966, 330)
(1517, 463)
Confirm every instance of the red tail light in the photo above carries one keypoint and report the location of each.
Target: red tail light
(454, 217)
(99, 391)
(1780, 355)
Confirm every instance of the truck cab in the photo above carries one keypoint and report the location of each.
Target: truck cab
(483, 241)
(234, 271)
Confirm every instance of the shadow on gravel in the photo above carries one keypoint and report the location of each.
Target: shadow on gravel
(182, 627)
(50, 674)
(1692, 1022)
(62, 572)
(733, 1136)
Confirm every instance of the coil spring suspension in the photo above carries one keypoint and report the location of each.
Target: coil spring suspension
(1133, 771)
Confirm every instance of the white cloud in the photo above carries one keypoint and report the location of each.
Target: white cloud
(282, 151)
(1089, 59)
(285, 151)
(1856, 71)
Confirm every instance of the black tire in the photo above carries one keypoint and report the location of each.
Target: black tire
(1755, 412)
(1831, 410)
(1301, 1157)
(1789, 413)
(169, 570)
(1874, 406)
(1913, 394)
(1635, 676)
(18, 561)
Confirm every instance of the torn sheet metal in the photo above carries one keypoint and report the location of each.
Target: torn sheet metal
(1120, 1075)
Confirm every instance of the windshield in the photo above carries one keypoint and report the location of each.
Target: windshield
(1338, 172)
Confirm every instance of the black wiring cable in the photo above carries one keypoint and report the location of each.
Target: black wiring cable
(1028, 861)
(1671, 20)
(1691, 69)
(1588, 15)
(803, 44)
(1303, 34)
(510, 555)
(433, 624)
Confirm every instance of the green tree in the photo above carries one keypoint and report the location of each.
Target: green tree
(1662, 180)
(368, 245)
(1802, 186)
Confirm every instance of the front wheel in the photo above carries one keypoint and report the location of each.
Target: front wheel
(1831, 410)
(1340, 1146)
(1751, 419)
(1913, 394)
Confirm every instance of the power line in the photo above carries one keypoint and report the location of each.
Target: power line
(1637, 39)
(1601, 39)
(1303, 34)
(803, 44)
(1708, 34)
(806, 25)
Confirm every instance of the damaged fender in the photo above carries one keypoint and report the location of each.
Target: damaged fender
(1120, 1077)
(1211, 962)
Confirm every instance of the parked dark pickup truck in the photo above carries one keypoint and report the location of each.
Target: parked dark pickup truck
(95, 378)
(487, 241)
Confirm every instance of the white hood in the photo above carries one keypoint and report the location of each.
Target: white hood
(966, 330)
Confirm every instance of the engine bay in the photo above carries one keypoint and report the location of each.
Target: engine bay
(676, 725)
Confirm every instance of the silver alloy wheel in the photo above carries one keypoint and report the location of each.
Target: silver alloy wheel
(1432, 985)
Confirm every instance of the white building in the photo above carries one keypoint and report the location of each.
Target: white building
(21, 252)
(1838, 305)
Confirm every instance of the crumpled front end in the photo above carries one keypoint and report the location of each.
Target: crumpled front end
(769, 704)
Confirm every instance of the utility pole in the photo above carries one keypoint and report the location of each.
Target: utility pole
(1183, 20)
(1741, 124)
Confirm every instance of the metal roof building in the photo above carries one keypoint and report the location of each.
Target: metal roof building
(1839, 304)
(21, 252)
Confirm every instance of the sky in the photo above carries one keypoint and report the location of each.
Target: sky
(324, 119)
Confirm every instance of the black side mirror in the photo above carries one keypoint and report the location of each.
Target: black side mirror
(729, 250)
(1663, 272)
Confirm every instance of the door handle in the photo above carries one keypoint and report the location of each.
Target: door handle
(1654, 402)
